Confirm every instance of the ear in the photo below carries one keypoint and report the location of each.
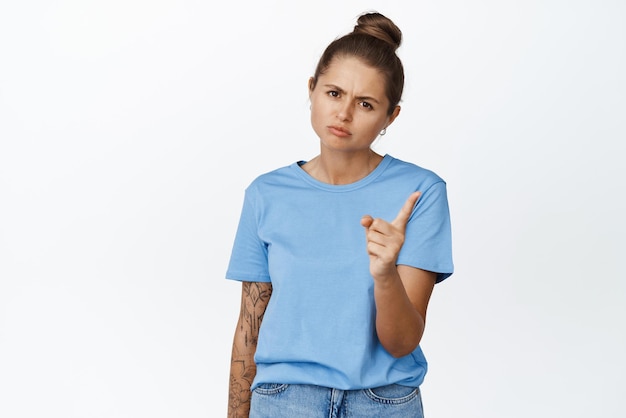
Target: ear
(393, 116)
(311, 86)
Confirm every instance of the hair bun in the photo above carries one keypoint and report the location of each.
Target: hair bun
(379, 26)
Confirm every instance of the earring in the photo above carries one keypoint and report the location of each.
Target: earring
(383, 132)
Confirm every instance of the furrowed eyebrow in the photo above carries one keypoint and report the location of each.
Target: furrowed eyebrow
(368, 99)
(333, 87)
(342, 91)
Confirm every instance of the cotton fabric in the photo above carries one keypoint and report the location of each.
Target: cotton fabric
(305, 237)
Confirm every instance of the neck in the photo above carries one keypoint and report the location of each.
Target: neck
(342, 168)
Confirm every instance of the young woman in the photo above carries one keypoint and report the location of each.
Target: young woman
(338, 255)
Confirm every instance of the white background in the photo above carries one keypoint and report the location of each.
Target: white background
(129, 130)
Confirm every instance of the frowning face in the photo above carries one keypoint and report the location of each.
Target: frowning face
(349, 106)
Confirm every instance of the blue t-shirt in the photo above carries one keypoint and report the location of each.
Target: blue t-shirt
(305, 237)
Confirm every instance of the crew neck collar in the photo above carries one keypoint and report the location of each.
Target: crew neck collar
(342, 187)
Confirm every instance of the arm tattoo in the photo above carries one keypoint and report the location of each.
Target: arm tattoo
(255, 301)
(255, 297)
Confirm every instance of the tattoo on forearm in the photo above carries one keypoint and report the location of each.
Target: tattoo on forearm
(254, 301)
(253, 309)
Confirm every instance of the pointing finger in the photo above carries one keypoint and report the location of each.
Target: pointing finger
(404, 214)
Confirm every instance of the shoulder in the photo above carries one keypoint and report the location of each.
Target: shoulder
(276, 182)
(412, 172)
(277, 175)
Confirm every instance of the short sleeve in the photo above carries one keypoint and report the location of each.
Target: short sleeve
(428, 240)
(248, 260)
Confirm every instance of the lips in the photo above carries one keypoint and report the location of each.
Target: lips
(339, 131)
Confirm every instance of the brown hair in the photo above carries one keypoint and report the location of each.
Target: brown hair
(374, 40)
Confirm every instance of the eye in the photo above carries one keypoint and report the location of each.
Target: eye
(367, 105)
(333, 93)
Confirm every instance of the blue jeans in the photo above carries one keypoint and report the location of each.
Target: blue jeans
(309, 401)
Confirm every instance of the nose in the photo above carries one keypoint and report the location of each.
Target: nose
(344, 112)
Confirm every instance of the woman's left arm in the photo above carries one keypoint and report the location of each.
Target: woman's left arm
(401, 304)
(401, 293)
